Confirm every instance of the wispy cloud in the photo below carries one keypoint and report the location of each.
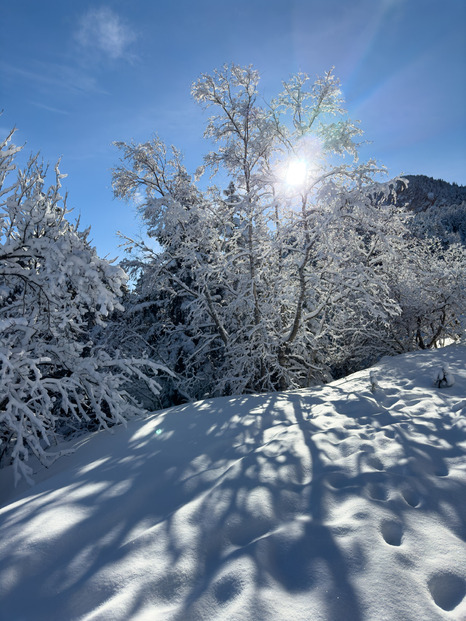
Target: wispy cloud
(102, 30)
(48, 75)
(49, 108)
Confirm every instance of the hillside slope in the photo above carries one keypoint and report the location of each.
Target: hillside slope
(335, 504)
(423, 193)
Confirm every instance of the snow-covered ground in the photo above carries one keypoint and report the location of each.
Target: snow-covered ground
(334, 504)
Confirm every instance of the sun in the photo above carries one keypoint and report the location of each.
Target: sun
(296, 172)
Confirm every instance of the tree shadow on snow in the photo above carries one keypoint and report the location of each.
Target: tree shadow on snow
(210, 506)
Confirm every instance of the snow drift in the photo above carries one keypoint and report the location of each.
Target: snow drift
(342, 503)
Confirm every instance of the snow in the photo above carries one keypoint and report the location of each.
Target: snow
(346, 502)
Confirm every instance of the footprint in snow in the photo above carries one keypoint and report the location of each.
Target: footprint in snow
(392, 532)
(442, 471)
(410, 496)
(377, 491)
(227, 588)
(424, 465)
(374, 462)
(447, 590)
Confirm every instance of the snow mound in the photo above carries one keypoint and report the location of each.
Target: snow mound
(345, 502)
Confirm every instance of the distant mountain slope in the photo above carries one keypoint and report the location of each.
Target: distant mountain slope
(424, 192)
(439, 207)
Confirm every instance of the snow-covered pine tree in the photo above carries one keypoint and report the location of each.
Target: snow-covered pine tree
(54, 289)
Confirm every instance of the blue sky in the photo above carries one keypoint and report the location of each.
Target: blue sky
(77, 75)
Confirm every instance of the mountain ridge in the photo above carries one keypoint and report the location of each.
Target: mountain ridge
(423, 192)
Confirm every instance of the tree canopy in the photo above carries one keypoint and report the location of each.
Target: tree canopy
(299, 267)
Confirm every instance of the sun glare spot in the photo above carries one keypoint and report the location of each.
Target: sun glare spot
(296, 172)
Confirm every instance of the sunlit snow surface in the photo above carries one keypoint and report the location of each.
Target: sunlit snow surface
(333, 504)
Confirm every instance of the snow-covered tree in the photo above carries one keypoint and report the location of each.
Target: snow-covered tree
(54, 291)
(447, 223)
(429, 284)
(255, 280)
